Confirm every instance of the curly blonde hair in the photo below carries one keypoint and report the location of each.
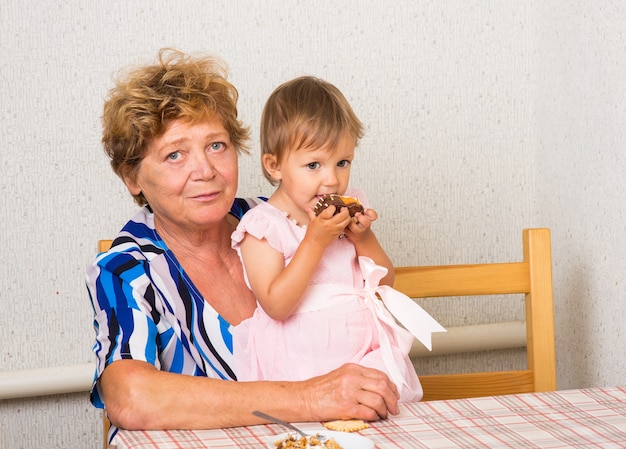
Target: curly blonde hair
(145, 100)
(306, 112)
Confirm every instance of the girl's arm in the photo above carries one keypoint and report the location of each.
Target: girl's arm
(279, 288)
(360, 233)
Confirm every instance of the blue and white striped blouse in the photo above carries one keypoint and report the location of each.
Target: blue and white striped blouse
(146, 308)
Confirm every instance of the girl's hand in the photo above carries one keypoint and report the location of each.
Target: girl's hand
(360, 233)
(359, 227)
(326, 227)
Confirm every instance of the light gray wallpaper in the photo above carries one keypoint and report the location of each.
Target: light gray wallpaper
(482, 117)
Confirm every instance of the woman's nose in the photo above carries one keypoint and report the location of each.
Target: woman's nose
(203, 166)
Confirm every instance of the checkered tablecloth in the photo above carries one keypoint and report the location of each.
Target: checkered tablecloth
(589, 418)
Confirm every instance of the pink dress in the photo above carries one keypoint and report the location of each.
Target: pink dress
(335, 323)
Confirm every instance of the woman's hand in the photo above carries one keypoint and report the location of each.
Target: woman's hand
(352, 392)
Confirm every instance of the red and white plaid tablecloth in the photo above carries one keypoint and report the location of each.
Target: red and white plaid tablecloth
(589, 418)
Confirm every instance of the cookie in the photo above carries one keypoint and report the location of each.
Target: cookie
(346, 425)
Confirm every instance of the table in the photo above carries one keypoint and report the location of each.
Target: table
(585, 418)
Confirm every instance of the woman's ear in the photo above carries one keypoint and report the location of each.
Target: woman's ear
(271, 165)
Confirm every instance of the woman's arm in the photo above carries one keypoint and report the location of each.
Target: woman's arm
(138, 396)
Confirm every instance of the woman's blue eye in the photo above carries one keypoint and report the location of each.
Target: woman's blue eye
(217, 146)
(173, 156)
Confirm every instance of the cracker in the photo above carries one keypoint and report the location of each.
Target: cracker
(346, 425)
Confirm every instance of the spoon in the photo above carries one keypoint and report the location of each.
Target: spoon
(284, 424)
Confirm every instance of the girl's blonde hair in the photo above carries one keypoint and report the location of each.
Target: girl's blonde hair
(306, 112)
(145, 100)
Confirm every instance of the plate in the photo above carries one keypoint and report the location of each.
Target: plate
(347, 440)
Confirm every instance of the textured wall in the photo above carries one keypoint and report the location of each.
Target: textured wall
(580, 131)
(486, 117)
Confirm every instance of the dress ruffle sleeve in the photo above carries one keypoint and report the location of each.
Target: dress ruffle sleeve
(267, 222)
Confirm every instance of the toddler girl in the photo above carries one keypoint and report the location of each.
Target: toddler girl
(318, 279)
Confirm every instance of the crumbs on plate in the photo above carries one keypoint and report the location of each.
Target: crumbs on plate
(310, 442)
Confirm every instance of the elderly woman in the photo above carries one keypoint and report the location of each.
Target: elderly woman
(167, 292)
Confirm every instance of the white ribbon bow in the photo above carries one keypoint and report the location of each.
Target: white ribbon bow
(387, 303)
(414, 319)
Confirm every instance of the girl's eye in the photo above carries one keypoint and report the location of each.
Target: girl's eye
(174, 156)
(217, 146)
(343, 163)
(313, 165)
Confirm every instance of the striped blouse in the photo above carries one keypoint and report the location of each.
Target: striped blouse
(146, 308)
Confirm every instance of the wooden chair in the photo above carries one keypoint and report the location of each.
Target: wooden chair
(106, 424)
(532, 277)
(104, 245)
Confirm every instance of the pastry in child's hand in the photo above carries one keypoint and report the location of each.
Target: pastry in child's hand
(352, 204)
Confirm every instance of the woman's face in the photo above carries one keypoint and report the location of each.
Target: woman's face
(189, 175)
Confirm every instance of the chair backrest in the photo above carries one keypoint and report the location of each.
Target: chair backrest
(106, 425)
(104, 245)
(531, 277)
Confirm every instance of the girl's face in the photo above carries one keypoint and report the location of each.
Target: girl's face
(188, 176)
(305, 175)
